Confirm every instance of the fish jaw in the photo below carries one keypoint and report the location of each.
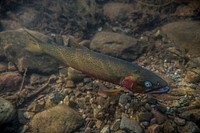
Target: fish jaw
(159, 91)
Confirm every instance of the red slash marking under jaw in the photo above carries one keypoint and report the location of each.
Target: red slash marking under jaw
(128, 82)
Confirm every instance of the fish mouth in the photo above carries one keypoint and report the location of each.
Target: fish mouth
(158, 91)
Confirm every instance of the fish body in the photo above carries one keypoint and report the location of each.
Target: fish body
(103, 67)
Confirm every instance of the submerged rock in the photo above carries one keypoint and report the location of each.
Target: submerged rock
(58, 119)
(116, 10)
(118, 45)
(185, 35)
(169, 127)
(130, 125)
(192, 115)
(190, 127)
(3, 67)
(12, 46)
(155, 128)
(24, 17)
(7, 111)
(10, 81)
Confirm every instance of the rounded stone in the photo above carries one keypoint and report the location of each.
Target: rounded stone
(7, 111)
(58, 119)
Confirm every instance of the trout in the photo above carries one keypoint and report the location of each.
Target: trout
(104, 67)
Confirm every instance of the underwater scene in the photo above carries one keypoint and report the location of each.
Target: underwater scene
(99, 66)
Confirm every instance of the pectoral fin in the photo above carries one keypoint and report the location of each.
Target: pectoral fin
(112, 92)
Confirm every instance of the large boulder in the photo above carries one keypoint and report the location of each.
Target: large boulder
(58, 119)
(115, 10)
(12, 46)
(185, 35)
(118, 45)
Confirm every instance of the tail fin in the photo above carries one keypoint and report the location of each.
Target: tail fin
(33, 44)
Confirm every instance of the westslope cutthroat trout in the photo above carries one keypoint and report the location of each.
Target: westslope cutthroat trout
(117, 71)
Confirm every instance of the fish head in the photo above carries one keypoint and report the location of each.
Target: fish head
(146, 82)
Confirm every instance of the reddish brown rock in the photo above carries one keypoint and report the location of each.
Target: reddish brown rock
(161, 118)
(10, 81)
(155, 128)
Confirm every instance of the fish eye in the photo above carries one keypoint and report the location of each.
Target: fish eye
(147, 84)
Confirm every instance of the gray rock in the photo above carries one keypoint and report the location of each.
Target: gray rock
(152, 101)
(191, 115)
(7, 111)
(144, 124)
(123, 99)
(58, 119)
(185, 35)
(12, 46)
(118, 45)
(161, 108)
(153, 121)
(190, 127)
(130, 125)
(144, 116)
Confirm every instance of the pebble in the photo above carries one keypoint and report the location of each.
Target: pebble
(69, 84)
(144, 116)
(192, 115)
(161, 108)
(130, 124)
(75, 75)
(145, 124)
(153, 121)
(169, 127)
(152, 101)
(155, 128)
(3, 67)
(116, 125)
(159, 116)
(28, 115)
(120, 131)
(11, 66)
(37, 106)
(148, 107)
(98, 124)
(190, 127)
(105, 129)
(123, 99)
(179, 121)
